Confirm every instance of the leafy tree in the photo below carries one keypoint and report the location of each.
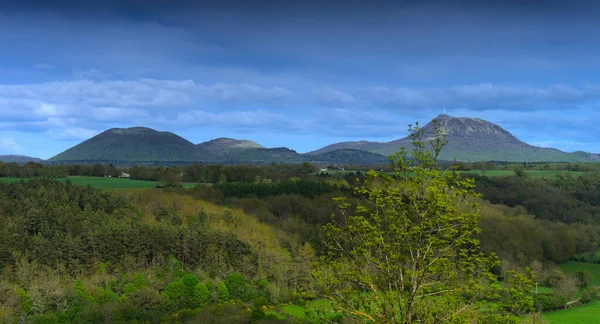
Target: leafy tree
(236, 285)
(201, 294)
(222, 292)
(408, 253)
(519, 299)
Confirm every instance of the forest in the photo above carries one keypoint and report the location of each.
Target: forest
(285, 244)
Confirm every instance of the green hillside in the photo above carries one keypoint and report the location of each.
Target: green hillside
(131, 144)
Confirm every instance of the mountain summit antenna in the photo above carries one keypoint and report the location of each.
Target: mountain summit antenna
(444, 113)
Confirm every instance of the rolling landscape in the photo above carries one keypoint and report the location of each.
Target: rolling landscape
(469, 139)
(267, 162)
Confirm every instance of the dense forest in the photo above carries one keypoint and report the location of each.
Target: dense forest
(254, 238)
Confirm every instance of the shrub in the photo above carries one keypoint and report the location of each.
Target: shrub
(588, 294)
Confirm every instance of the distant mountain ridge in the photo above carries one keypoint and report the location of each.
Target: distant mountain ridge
(145, 145)
(470, 139)
(19, 159)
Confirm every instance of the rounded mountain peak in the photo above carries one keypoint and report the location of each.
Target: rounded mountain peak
(139, 130)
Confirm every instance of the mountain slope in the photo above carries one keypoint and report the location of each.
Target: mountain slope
(131, 144)
(472, 139)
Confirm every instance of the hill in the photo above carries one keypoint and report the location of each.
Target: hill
(347, 156)
(123, 146)
(131, 144)
(18, 159)
(472, 139)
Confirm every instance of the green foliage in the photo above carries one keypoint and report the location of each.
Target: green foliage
(174, 295)
(201, 294)
(409, 252)
(129, 288)
(222, 292)
(588, 294)
(236, 286)
(519, 298)
(140, 281)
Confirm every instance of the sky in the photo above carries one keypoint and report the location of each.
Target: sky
(300, 75)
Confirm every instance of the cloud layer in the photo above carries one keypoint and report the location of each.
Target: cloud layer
(301, 75)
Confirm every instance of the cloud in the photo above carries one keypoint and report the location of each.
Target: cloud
(237, 119)
(9, 145)
(140, 93)
(481, 97)
(71, 133)
(43, 66)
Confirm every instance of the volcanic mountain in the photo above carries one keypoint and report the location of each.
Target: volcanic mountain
(144, 145)
(135, 144)
(471, 139)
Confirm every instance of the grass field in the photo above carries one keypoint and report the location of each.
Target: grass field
(572, 266)
(106, 183)
(585, 314)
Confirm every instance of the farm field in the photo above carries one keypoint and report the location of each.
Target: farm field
(106, 183)
(585, 314)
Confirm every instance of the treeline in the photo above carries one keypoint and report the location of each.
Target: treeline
(210, 173)
(539, 166)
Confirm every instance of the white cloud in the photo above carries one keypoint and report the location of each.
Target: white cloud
(235, 118)
(139, 93)
(9, 145)
(71, 133)
(482, 96)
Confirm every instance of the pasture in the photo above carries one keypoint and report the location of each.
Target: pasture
(105, 183)
(585, 314)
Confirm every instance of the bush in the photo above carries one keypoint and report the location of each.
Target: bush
(547, 302)
(588, 294)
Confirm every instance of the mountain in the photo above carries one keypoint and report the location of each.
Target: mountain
(135, 144)
(145, 145)
(18, 159)
(223, 146)
(471, 139)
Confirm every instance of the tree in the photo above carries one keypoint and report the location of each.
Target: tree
(407, 251)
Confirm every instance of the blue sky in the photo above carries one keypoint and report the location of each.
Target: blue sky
(302, 76)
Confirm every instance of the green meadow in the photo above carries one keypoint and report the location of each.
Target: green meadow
(106, 183)
(585, 314)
